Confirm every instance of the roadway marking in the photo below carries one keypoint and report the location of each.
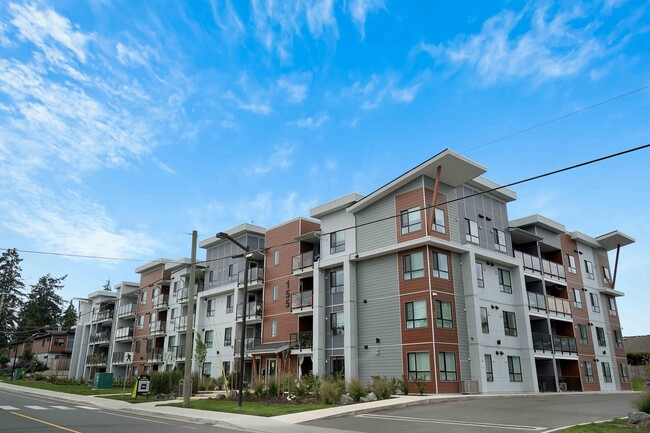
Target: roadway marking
(8, 408)
(63, 407)
(38, 407)
(455, 422)
(46, 423)
(88, 407)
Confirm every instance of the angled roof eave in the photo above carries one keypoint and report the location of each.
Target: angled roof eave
(456, 170)
(611, 240)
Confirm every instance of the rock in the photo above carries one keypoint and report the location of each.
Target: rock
(644, 424)
(232, 394)
(637, 417)
(346, 400)
(363, 400)
(398, 392)
(220, 397)
(371, 396)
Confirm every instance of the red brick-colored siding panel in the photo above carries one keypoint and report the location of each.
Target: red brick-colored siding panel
(404, 202)
(441, 198)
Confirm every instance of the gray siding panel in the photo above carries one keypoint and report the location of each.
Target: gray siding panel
(550, 238)
(379, 234)
(377, 282)
(487, 206)
(461, 317)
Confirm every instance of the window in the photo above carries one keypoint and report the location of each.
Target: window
(140, 322)
(505, 284)
(514, 369)
(337, 365)
(577, 299)
(152, 319)
(447, 365)
(337, 242)
(600, 334)
(229, 300)
(207, 367)
(138, 346)
(149, 346)
(59, 341)
(274, 329)
(589, 268)
(440, 266)
(276, 257)
(443, 315)
(618, 338)
(135, 372)
(438, 220)
(208, 339)
(275, 292)
(584, 336)
(227, 337)
(419, 366)
(173, 314)
(595, 307)
(232, 272)
(479, 275)
(485, 324)
(500, 241)
(226, 368)
(210, 308)
(607, 371)
(589, 372)
(510, 323)
(612, 306)
(211, 276)
(175, 287)
(416, 314)
(411, 220)
(607, 279)
(143, 298)
(472, 231)
(171, 341)
(337, 323)
(336, 281)
(625, 375)
(412, 266)
(571, 263)
(489, 374)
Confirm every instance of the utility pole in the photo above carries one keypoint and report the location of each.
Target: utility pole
(189, 335)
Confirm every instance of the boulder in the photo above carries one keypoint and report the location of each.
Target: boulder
(644, 424)
(637, 417)
(363, 400)
(371, 396)
(346, 400)
(398, 391)
(220, 397)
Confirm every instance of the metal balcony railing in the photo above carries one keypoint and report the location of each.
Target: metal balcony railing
(157, 327)
(301, 340)
(249, 343)
(124, 333)
(156, 355)
(120, 358)
(254, 310)
(177, 352)
(302, 261)
(160, 301)
(548, 268)
(180, 323)
(100, 337)
(182, 294)
(543, 343)
(97, 359)
(553, 270)
(255, 276)
(126, 310)
(302, 300)
(103, 316)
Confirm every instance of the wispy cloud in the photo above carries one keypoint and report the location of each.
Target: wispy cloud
(558, 42)
(296, 86)
(311, 122)
(359, 10)
(128, 56)
(226, 18)
(256, 107)
(280, 159)
(379, 88)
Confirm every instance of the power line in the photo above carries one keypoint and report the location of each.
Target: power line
(73, 255)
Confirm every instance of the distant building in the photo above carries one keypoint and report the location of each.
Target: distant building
(51, 348)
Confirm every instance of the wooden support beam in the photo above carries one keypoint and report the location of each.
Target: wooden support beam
(618, 250)
(433, 200)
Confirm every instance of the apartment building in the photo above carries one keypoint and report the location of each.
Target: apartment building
(126, 303)
(52, 348)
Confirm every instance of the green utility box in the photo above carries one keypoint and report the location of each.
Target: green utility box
(103, 381)
(19, 373)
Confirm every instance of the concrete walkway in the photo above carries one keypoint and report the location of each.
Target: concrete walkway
(279, 424)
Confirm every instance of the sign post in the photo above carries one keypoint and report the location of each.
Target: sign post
(128, 358)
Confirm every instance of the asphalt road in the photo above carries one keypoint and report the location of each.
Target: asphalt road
(510, 414)
(29, 414)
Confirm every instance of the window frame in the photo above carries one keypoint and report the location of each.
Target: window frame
(337, 328)
(571, 264)
(447, 374)
(143, 298)
(607, 277)
(209, 343)
(276, 257)
(416, 373)
(274, 329)
(618, 338)
(229, 304)
(274, 293)
(589, 372)
(480, 278)
(607, 371)
(589, 270)
(611, 303)
(509, 328)
(600, 337)
(437, 270)
(595, 304)
(485, 320)
(439, 220)
(584, 337)
(210, 307)
(469, 235)
(337, 242)
(227, 337)
(577, 298)
(408, 223)
(500, 235)
(489, 372)
(625, 373)
(410, 319)
(333, 278)
(503, 287)
(514, 375)
(408, 272)
(443, 322)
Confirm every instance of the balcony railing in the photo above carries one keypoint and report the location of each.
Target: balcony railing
(554, 344)
(542, 342)
(531, 263)
(100, 337)
(157, 327)
(97, 359)
(249, 343)
(553, 270)
(177, 352)
(255, 276)
(563, 344)
(120, 358)
(126, 310)
(156, 355)
(180, 323)
(302, 261)
(103, 316)
(548, 268)
(302, 300)
(301, 341)
(124, 333)
(567, 383)
(540, 302)
(253, 310)
(182, 294)
(160, 301)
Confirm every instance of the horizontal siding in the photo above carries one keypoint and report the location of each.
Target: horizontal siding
(550, 238)
(461, 317)
(379, 234)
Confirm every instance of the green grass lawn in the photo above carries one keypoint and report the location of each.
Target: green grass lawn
(638, 384)
(127, 397)
(70, 389)
(614, 426)
(252, 407)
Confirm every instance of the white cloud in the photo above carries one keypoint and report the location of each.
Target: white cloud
(39, 26)
(226, 18)
(256, 107)
(556, 44)
(321, 19)
(310, 122)
(296, 86)
(379, 88)
(359, 9)
(280, 159)
(331, 163)
(128, 56)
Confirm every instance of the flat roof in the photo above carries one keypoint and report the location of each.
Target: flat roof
(456, 170)
(334, 205)
(152, 265)
(234, 232)
(585, 239)
(540, 221)
(500, 192)
(611, 240)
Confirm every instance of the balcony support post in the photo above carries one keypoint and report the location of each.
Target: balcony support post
(618, 250)
(432, 211)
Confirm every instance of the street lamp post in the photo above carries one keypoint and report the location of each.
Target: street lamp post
(242, 348)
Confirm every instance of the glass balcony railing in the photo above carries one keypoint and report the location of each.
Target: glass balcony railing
(124, 333)
(126, 310)
(249, 343)
(100, 337)
(253, 310)
(177, 352)
(301, 340)
(160, 301)
(255, 276)
(552, 304)
(97, 359)
(548, 268)
(157, 327)
(302, 261)
(302, 300)
(103, 316)
(547, 343)
(180, 323)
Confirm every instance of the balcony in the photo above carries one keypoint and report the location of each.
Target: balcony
(547, 268)
(124, 334)
(157, 356)
(559, 306)
(567, 383)
(304, 261)
(177, 352)
(99, 359)
(253, 311)
(531, 263)
(255, 277)
(182, 294)
(546, 343)
(160, 302)
(302, 301)
(100, 338)
(301, 341)
(180, 323)
(553, 270)
(249, 343)
(103, 316)
(119, 358)
(157, 328)
(126, 311)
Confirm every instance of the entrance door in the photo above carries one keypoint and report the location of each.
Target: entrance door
(270, 367)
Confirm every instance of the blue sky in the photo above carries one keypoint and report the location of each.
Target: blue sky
(124, 125)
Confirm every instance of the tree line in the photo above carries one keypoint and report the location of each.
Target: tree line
(24, 313)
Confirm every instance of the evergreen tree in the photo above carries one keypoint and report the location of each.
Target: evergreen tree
(11, 294)
(69, 319)
(107, 285)
(43, 306)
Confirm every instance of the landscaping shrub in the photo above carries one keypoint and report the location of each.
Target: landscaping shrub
(403, 384)
(382, 387)
(221, 382)
(420, 384)
(356, 389)
(207, 384)
(258, 388)
(311, 383)
(166, 382)
(272, 387)
(288, 383)
(643, 403)
(330, 391)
